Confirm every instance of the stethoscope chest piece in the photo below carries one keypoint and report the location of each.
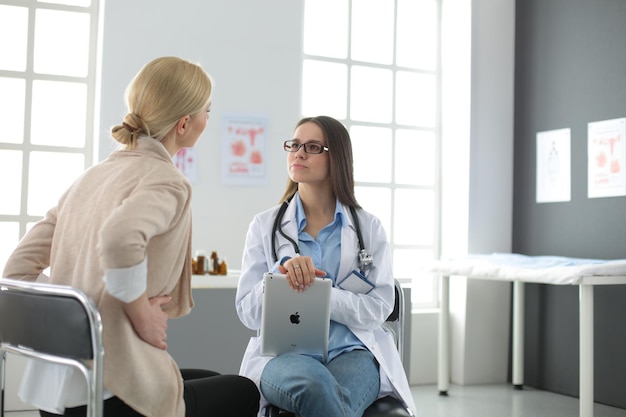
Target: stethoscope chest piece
(365, 260)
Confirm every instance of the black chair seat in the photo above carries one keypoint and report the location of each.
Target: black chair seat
(386, 407)
(382, 407)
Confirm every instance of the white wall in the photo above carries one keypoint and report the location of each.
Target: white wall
(477, 177)
(252, 49)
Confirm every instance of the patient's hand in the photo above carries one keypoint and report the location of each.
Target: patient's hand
(148, 319)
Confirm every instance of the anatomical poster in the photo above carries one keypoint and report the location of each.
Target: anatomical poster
(606, 154)
(244, 149)
(554, 166)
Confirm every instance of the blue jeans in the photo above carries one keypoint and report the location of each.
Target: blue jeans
(344, 387)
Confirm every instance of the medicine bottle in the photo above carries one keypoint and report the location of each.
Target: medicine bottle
(201, 262)
(215, 264)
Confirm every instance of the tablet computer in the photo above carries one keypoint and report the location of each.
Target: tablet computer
(295, 321)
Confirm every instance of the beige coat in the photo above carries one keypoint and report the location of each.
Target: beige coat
(133, 205)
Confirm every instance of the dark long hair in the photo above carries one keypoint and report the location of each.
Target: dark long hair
(341, 164)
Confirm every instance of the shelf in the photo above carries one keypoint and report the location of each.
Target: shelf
(215, 281)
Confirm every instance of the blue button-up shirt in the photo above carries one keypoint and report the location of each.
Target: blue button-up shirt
(326, 254)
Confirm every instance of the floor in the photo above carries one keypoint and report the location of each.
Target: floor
(483, 401)
(500, 401)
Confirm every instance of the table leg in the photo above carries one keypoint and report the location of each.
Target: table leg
(518, 335)
(444, 336)
(586, 350)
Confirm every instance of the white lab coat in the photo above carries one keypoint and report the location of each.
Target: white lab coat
(362, 313)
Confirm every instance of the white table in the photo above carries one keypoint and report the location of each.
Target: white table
(519, 269)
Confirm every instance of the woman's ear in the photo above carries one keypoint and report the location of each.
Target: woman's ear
(182, 124)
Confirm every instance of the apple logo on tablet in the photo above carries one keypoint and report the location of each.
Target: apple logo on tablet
(295, 318)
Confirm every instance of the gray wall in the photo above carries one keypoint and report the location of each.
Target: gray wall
(569, 71)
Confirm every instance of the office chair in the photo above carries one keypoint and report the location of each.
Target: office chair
(53, 323)
(387, 406)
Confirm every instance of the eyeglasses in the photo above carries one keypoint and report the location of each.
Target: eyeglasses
(312, 147)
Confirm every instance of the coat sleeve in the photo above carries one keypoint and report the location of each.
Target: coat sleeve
(254, 264)
(32, 254)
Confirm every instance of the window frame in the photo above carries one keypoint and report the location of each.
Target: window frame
(435, 247)
(90, 147)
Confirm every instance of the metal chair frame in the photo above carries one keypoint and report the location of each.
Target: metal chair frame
(53, 323)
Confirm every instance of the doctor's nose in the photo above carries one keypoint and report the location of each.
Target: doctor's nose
(300, 153)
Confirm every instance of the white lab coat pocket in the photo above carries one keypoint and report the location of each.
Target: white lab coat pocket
(356, 283)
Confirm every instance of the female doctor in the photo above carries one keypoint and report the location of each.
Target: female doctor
(315, 232)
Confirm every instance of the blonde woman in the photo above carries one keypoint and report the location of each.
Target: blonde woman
(122, 234)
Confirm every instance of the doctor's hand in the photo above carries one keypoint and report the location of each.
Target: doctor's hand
(300, 272)
(148, 319)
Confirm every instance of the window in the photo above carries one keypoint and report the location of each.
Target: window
(48, 61)
(374, 64)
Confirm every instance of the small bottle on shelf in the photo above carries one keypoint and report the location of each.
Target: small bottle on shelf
(223, 267)
(215, 264)
(200, 262)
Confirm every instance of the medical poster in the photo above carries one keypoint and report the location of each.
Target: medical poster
(606, 155)
(244, 149)
(185, 160)
(554, 166)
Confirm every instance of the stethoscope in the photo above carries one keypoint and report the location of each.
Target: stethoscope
(365, 260)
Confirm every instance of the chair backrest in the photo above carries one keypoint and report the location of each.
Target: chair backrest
(395, 321)
(54, 323)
